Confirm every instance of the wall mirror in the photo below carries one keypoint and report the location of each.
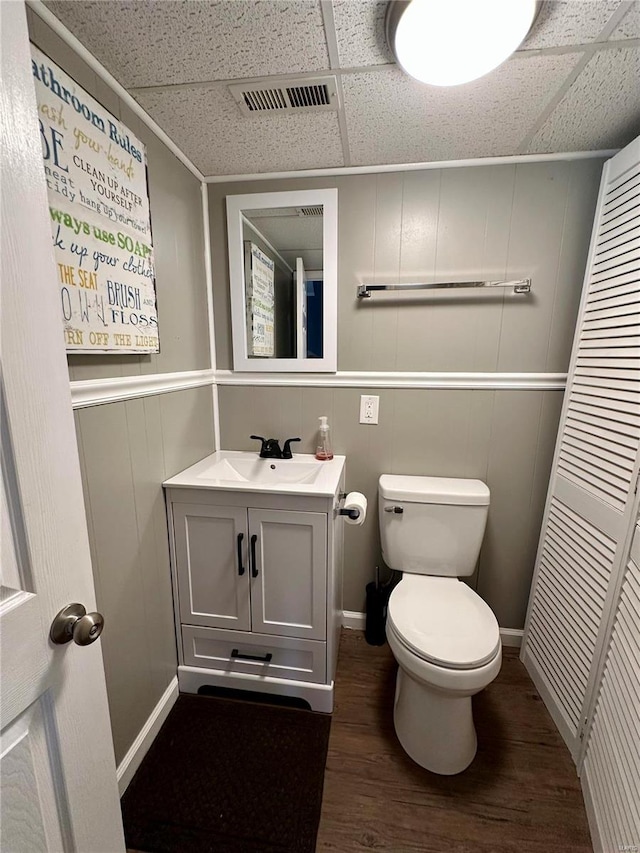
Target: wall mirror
(283, 266)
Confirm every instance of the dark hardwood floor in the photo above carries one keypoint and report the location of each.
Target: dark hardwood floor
(520, 795)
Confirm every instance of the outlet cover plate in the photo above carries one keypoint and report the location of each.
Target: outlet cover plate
(369, 406)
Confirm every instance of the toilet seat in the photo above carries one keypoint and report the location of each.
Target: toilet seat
(444, 622)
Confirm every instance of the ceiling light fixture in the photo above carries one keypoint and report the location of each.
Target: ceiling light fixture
(448, 42)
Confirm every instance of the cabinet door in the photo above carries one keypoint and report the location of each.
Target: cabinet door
(289, 573)
(211, 565)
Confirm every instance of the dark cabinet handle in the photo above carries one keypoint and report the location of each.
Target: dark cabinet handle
(254, 568)
(240, 566)
(263, 659)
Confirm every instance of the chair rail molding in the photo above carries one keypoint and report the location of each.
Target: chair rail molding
(95, 392)
(398, 379)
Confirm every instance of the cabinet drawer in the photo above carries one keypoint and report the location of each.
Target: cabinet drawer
(214, 648)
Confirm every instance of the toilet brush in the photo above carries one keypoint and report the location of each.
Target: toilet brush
(376, 615)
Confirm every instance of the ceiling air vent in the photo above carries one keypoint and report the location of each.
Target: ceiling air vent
(309, 211)
(286, 94)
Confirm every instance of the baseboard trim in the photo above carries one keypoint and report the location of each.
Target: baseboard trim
(356, 621)
(139, 748)
(511, 637)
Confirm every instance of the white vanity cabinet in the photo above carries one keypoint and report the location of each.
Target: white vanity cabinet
(259, 570)
(257, 581)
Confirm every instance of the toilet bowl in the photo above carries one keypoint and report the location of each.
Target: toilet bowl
(444, 637)
(440, 669)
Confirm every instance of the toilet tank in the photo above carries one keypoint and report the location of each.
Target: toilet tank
(432, 525)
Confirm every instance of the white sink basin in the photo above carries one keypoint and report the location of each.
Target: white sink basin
(245, 471)
(258, 470)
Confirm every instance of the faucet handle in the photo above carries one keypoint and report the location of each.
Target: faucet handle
(259, 438)
(286, 450)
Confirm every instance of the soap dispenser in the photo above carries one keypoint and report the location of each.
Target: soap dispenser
(324, 450)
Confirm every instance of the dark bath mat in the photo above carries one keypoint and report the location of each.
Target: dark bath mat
(227, 776)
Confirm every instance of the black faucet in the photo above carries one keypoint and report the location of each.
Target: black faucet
(270, 448)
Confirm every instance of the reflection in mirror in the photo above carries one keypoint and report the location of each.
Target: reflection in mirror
(283, 281)
(282, 266)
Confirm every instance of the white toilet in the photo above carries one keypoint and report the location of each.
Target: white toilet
(444, 637)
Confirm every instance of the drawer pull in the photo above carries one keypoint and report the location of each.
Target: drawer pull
(241, 656)
(254, 568)
(240, 566)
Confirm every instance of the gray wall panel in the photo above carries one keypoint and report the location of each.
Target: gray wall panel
(506, 560)
(506, 221)
(187, 428)
(576, 234)
(505, 438)
(110, 500)
(491, 221)
(126, 450)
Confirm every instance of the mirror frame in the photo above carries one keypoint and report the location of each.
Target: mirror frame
(236, 204)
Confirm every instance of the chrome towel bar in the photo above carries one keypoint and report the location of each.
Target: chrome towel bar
(522, 285)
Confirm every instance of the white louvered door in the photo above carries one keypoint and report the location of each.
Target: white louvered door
(611, 771)
(590, 507)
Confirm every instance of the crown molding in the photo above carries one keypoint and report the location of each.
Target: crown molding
(339, 171)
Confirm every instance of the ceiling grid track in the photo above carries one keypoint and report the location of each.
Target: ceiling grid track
(583, 47)
(589, 51)
(328, 19)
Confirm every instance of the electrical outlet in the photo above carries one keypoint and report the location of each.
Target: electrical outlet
(369, 409)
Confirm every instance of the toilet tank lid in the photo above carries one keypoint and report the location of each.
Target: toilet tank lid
(433, 490)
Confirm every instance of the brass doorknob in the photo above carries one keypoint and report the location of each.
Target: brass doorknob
(74, 623)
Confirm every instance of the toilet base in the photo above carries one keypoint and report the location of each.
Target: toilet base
(436, 730)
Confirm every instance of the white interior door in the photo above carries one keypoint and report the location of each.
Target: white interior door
(58, 777)
(301, 309)
(591, 503)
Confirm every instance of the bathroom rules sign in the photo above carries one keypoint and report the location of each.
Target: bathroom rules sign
(99, 212)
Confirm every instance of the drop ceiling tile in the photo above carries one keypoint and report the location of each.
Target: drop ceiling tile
(600, 110)
(629, 27)
(146, 43)
(360, 32)
(206, 123)
(290, 233)
(393, 119)
(572, 22)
